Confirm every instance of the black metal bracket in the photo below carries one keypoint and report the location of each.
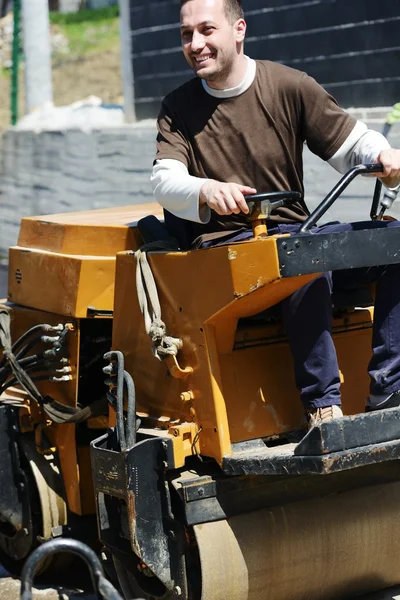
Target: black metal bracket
(304, 254)
(356, 431)
(199, 498)
(15, 508)
(329, 447)
(97, 312)
(134, 505)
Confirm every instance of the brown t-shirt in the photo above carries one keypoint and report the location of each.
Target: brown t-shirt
(255, 138)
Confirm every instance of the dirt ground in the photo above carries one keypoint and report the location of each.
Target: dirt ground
(95, 74)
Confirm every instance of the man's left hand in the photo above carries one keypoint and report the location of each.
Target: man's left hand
(390, 160)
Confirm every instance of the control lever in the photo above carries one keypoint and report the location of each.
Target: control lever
(388, 198)
(383, 203)
(336, 191)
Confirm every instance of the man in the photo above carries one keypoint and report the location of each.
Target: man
(239, 127)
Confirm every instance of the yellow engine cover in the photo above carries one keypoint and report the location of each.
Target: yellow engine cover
(65, 263)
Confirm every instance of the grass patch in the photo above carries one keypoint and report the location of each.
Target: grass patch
(85, 16)
(89, 31)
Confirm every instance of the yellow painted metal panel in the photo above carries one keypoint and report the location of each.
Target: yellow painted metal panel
(59, 283)
(96, 232)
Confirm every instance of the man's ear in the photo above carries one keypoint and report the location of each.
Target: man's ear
(240, 30)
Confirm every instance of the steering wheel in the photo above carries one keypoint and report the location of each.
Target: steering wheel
(262, 205)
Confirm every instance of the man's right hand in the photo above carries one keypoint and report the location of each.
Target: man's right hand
(225, 198)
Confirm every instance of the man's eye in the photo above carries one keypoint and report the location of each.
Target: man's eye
(208, 29)
(186, 34)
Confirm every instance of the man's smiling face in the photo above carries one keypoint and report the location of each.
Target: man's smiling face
(209, 40)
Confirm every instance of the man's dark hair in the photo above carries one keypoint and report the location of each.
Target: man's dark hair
(233, 9)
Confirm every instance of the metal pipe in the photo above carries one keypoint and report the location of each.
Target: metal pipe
(116, 355)
(102, 587)
(335, 193)
(21, 339)
(15, 61)
(37, 51)
(128, 81)
(131, 418)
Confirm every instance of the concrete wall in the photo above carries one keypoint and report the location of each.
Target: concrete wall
(67, 171)
(350, 46)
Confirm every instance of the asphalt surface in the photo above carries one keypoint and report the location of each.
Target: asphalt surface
(354, 205)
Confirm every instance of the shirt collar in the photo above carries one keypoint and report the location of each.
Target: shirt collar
(238, 89)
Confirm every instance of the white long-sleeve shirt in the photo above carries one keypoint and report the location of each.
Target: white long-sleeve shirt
(178, 191)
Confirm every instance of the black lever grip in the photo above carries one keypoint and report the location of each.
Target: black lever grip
(289, 196)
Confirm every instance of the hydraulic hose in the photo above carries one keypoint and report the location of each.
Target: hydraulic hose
(131, 417)
(15, 381)
(118, 357)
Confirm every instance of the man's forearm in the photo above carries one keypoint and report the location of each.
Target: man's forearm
(362, 146)
(178, 192)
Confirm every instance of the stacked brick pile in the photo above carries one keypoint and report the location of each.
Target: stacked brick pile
(6, 37)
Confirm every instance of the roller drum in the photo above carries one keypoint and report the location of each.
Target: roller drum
(325, 548)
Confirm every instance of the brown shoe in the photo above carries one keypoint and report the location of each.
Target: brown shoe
(326, 413)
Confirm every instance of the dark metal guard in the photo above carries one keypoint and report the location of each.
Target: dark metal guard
(336, 191)
(102, 587)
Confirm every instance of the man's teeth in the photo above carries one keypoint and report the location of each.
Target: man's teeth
(203, 58)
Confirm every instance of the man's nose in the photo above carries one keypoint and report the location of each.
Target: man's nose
(197, 41)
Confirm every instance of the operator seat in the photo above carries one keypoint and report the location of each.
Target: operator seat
(180, 229)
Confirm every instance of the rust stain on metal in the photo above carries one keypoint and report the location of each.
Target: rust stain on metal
(130, 502)
(257, 285)
(113, 475)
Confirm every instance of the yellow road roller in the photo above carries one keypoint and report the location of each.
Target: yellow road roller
(148, 407)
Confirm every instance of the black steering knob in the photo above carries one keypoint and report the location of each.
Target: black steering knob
(262, 205)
